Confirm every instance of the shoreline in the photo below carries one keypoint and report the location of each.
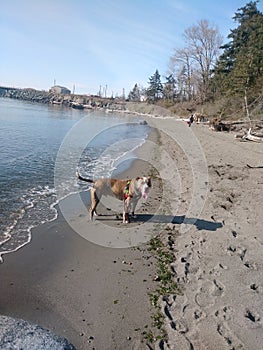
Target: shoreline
(87, 103)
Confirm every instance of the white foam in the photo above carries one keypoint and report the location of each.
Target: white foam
(18, 232)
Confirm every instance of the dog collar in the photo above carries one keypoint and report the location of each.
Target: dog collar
(127, 190)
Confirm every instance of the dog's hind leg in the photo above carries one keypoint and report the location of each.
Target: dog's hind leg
(95, 199)
(126, 208)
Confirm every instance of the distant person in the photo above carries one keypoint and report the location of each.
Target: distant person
(191, 120)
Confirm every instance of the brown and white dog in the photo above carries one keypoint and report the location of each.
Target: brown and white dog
(128, 191)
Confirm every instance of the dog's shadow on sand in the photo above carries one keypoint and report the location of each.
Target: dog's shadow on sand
(169, 219)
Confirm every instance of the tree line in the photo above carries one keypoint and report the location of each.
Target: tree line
(205, 69)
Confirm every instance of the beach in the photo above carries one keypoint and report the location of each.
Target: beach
(219, 268)
(206, 202)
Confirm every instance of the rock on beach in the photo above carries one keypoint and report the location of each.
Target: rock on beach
(17, 334)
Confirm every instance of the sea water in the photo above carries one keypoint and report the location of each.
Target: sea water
(32, 137)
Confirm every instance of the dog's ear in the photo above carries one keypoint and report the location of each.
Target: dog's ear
(149, 181)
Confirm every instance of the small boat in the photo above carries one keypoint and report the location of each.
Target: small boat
(77, 105)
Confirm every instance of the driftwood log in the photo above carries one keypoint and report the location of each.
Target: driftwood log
(250, 137)
(218, 125)
(254, 167)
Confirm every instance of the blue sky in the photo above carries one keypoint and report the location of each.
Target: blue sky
(93, 43)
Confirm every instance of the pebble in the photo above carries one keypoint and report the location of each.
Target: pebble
(127, 263)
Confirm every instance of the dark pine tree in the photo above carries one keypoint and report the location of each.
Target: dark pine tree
(155, 89)
(240, 67)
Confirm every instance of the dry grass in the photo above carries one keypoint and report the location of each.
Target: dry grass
(228, 109)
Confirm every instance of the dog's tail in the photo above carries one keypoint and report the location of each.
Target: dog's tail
(82, 178)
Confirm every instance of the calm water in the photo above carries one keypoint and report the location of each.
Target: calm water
(34, 138)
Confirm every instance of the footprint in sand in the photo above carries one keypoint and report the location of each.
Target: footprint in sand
(237, 251)
(241, 252)
(253, 318)
(224, 314)
(218, 269)
(180, 326)
(251, 265)
(232, 341)
(218, 288)
(208, 293)
(255, 287)
(199, 315)
(181, 342)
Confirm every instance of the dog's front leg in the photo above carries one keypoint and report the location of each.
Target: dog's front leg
(133, 204)
(126, 205)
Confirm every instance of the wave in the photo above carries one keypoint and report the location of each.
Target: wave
(37, 208)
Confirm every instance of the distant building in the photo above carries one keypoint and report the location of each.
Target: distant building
(143, 98)
(59, 90)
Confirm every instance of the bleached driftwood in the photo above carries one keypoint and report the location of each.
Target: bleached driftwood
(255, 167)
(239, 136)
(249, 136)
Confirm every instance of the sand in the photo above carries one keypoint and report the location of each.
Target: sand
(220, 269)
(96, 295)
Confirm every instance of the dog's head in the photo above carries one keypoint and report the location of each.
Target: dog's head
(144, 184)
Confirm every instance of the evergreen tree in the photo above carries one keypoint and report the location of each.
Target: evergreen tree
(155, 89)
(169, 88)
(240, 67)
(135, 94)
